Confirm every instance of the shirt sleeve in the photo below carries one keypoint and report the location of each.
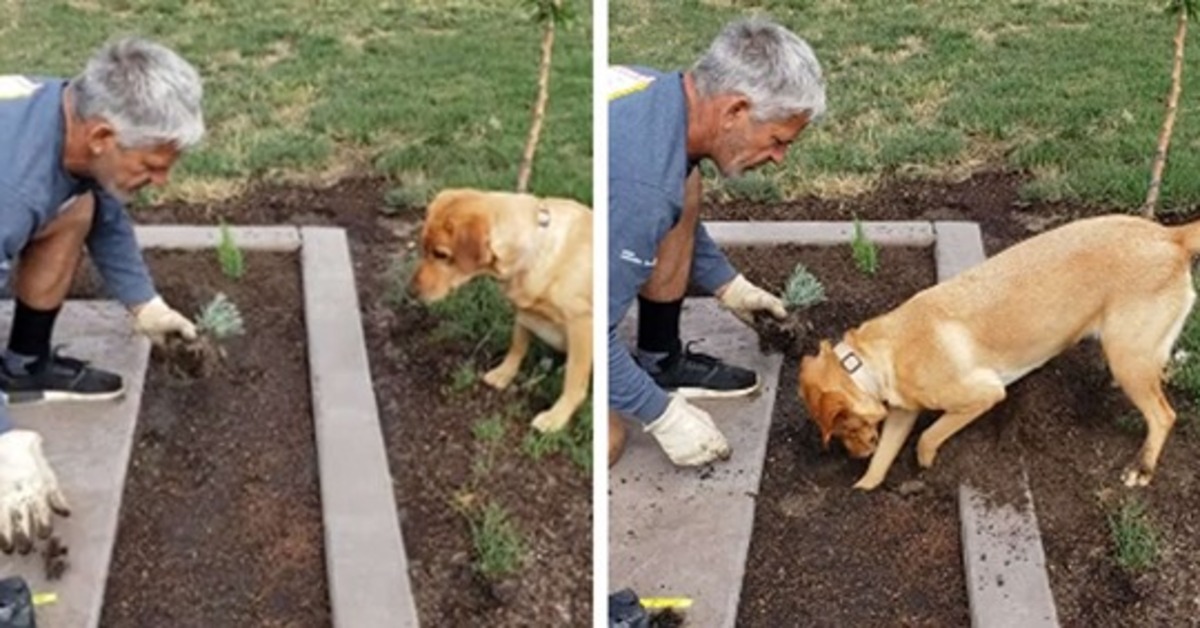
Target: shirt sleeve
(639, 218)
(710, 268)
(115, 252)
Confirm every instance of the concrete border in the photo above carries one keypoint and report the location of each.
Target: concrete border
(192, 238)
(367, 570)
(1013, 588)
(364, 553)
(820, 233)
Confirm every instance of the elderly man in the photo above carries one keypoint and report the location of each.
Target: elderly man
(71, 153)
(742, 105)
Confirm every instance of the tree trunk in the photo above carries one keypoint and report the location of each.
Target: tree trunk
(1164, 138)
(539, 108)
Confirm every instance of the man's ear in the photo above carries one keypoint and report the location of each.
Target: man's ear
(101, 137)
(734, 109)
(472, 243)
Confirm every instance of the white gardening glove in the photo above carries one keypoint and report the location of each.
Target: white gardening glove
(157, 320)
(29, 492)
(687, 434)
(743, 298)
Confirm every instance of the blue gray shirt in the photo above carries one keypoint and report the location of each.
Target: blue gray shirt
(34, 186)
(647, 168)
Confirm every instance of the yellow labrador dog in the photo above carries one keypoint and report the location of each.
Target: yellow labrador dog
(540, 250)
(954, 347)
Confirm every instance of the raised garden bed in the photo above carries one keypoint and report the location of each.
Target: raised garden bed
(1065, 425)
(428, 426)
(221, 517)
(818, 544)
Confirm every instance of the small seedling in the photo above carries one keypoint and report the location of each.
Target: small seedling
(463, 377)
(233, 264)
(803, 289)
(1134, 538)
(398, 277)
(866, 255)
(220, 318)
(499, 548)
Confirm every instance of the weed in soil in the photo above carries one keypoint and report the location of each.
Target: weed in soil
(866, 254)
(233, 263)
(1134, 538)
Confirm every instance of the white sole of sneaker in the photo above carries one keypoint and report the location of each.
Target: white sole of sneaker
(706, 393)
(58, 396)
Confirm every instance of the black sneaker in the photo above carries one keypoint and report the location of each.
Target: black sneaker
(698, 376)
(59, 378)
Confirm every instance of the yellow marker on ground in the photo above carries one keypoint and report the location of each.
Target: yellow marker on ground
(40, 599)
(657, 603)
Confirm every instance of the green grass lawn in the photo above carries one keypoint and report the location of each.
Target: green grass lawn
(430, 93)
(1071, 91)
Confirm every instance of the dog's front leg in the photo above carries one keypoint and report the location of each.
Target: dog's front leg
(575, 382)
(896, 427)
(501, 376)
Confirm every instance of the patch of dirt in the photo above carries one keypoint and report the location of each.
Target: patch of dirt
(427, 427)
(221, 515)
(819, 549)
(823, 551)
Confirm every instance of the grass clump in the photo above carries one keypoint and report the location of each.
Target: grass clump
(1135, 540)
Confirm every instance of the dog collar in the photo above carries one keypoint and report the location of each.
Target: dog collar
(543, 216)
(856, 368)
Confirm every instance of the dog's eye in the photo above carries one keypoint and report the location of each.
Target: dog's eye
(440, 254)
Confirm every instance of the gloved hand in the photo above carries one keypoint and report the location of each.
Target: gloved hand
(29, 492)
(687, 434)
(157, 320)
(743, 298)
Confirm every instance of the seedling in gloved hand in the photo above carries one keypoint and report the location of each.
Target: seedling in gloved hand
(217, 321)
(803, 290)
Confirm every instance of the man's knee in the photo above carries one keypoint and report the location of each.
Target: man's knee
(75, 218)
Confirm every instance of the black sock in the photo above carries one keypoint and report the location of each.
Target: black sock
(658, 326)
(31, 331)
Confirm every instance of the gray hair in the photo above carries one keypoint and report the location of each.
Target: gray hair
(768, 64)
(147, 92)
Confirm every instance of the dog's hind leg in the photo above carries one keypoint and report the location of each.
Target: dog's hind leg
(1137, 343)
(501, 376)
(972, 397)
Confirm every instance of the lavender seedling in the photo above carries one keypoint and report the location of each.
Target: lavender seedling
(220, 318)
(803, 289)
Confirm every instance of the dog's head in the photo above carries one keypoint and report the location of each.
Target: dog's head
(837, 405)
(455, 244)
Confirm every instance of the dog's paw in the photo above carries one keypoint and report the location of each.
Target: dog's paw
(550, 421)
(926, 454)
(1135, 476)
(868, 483)
(499, 377)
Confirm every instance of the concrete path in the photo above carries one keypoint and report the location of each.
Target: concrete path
(88, 445)
(676, 532)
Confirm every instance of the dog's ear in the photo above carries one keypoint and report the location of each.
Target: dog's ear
(831, 409)
(472, 243)
(826, 407)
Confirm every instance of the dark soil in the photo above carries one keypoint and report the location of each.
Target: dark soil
(428, 428)
(221, 516)
(829, 555)
(821, 553)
